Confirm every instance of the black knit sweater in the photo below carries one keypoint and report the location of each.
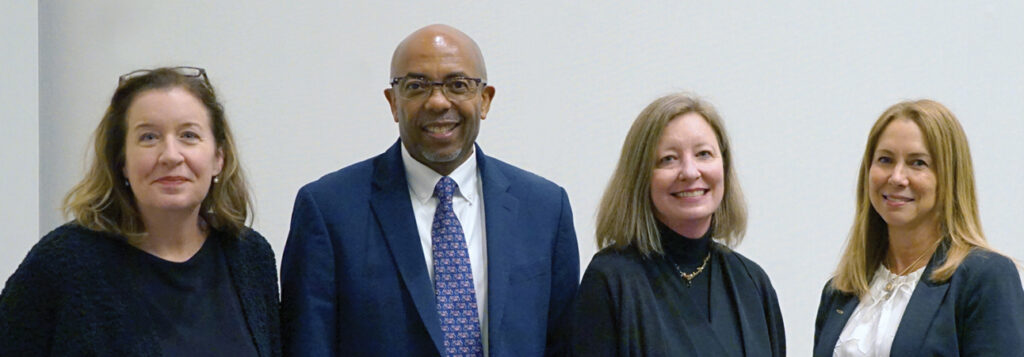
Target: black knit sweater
(71, 296)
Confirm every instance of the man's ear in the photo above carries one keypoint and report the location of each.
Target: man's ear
(485, 105)
(390, 95)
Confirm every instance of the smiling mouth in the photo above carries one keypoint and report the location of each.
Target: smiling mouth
(171, 180)
(440, 128)
(694, 193)
(897, 199)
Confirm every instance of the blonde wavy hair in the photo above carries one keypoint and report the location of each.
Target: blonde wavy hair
(102, 202)
(956, 202)
(626, 214)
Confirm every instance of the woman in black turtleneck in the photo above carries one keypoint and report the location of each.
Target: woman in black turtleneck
(662, 285)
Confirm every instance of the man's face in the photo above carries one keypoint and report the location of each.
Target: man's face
(436, 130)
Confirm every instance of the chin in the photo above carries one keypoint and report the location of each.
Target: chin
(442, 157)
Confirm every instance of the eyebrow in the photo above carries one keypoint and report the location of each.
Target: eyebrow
(912, 154)
(449, 75)
(147, 125)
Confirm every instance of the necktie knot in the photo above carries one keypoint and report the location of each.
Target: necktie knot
(445, 189)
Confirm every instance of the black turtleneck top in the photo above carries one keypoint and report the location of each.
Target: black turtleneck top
(634, 304)
(687, 254)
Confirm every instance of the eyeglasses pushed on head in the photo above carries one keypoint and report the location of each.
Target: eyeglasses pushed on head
(186, 71)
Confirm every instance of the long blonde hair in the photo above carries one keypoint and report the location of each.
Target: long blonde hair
(103, 203)
(626, 214)
(959, 222)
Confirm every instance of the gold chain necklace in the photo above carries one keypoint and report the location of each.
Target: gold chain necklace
(891, 284)
(689, 276)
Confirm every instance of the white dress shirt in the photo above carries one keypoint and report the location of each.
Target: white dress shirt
(872, 327)
(468, 204)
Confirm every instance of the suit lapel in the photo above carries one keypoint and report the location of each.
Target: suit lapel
(839, 311)
(921, 309)
(244, 284)
(500, 211)
(393, 209)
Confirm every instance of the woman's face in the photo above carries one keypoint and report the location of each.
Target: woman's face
(902, 184)
(687, 183)
(171, 155)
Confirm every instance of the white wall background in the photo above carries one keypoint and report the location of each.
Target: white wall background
(19, 132)
(798, 84)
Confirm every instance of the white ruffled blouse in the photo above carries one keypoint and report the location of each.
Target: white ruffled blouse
(872, 327)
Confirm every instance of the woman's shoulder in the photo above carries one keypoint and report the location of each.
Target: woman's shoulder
(615, 260)
(69, 254)
(249, 244)
(251, 239)
(985, 264)
(736, 259)
(70, 241)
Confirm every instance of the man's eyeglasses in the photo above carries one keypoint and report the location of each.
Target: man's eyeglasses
(454, 88)
(190, 72)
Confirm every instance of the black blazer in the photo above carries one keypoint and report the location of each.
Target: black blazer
(979, 311)
(70, 297)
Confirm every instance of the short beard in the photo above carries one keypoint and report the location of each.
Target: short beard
(436, 157)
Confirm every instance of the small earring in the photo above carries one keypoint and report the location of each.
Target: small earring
(126, 184)
(216, 179)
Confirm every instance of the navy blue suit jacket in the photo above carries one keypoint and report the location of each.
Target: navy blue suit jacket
(354, 280)
(979, 311)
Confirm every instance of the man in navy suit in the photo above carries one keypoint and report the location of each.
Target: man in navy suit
(367, 258)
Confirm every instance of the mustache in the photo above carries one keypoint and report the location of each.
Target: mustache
(451, 116)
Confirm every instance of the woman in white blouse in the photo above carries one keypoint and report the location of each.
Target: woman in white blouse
(917, 277)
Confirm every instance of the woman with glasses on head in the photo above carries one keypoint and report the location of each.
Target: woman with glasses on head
(666, 282)
(158, 259)
(917, 277)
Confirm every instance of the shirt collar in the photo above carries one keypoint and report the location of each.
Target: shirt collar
(422, 178)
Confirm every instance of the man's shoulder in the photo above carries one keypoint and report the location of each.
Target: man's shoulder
(518, 175)
(357, 176)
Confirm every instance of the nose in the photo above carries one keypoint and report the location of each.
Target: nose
(688, 170)
(898, 177)
(437, 102)
(170, 155)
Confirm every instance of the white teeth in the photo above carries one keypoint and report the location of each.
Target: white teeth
(691, 193)
(440, 129)
(900, 199)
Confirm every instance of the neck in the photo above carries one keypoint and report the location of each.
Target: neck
(171, 235)
(693, 229)
(909, 248)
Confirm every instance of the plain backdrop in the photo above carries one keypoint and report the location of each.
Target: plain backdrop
(798, 83)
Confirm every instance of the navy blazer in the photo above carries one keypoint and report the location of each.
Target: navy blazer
(71, 297)
(979, 311)
(354, 280)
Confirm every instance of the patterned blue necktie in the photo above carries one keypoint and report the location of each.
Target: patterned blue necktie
(453, 278)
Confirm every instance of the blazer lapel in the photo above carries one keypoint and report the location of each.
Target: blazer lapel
(393, 209)
(839, 312)
(244, 285)
(921, 309)
(500, 211)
